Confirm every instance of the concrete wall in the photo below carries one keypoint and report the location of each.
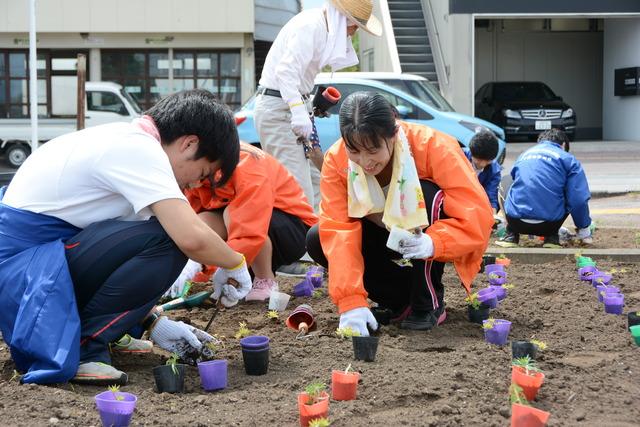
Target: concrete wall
(104, 16)
(376, 52)
(621, 49)
(570, 63)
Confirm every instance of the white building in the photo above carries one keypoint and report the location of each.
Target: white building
(574, 46)
(151, 47)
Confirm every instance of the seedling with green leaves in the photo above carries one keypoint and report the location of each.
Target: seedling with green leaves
(508, 286)
(273, 315)
(319, 422)
(314, 392)
(173, 361)
(541, 345)
(489, 323)
(347, 332)
(472, 300)
(318, 293)
(243, 331)
(516, 395)
(115, 389)
(526, 363)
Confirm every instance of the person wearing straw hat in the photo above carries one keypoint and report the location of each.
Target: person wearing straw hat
(310, 41)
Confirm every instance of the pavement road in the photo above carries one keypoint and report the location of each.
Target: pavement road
(611, 166)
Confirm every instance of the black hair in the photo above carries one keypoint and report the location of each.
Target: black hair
(555, 135)
(484, 145)
(198, 112)
(365, 119)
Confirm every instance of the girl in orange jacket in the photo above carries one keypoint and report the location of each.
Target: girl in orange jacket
(261, 212)
(384, 174)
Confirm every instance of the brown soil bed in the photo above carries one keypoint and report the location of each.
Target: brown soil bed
(604, 238)
(447, 377)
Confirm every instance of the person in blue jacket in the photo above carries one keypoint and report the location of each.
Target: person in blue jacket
(482, 152)
(549, 184)
(94, 228)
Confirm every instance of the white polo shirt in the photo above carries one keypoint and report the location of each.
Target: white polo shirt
(113, 171)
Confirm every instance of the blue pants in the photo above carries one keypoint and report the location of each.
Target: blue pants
(120, 269)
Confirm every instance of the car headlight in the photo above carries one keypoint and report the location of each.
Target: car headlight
(511, 114)
(568, 113)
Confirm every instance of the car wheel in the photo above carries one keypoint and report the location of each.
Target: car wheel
(17, 154)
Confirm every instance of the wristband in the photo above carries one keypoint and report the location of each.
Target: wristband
(296, 104)
(239, 265)
(151, 319)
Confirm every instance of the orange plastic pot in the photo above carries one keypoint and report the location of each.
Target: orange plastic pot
(530, 383)
(504, 261)
(308, 413)
(344, 386)
(527, 416)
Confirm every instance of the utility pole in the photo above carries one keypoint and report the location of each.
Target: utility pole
(33, 76)
(82, 78)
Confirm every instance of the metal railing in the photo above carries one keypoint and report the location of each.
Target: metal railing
(436, 47)
(389, 35)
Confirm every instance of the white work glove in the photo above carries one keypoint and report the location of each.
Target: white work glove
(180, 338)
(188, 272)
(583, 233)
(300, 120)
(358, 319)
(227, 294)
(418, 246)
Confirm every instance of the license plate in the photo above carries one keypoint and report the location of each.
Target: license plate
(543, 124)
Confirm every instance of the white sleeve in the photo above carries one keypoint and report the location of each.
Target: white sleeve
(139, 169)
(298, 53)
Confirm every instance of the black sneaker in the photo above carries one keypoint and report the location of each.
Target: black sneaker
(386, 316)
(510, 240)
(424, 321)
(551, 242)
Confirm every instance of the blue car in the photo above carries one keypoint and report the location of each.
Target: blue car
(414, 97)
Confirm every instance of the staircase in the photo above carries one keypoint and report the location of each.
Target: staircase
(412, 40)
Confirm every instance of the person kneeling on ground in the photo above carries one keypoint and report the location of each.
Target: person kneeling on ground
(94, 228)
(385, 173)
(261, 212)
(482, 153)
(548, 185)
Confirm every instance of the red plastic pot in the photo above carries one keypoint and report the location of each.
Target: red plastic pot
(530, 383)
(308, 413)
(344, 385)
(504, 261)
(527, 416)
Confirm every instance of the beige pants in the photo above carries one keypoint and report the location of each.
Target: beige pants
(272, 119)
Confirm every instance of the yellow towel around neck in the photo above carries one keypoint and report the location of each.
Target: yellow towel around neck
(404, 206)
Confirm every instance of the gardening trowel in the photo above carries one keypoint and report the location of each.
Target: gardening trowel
(182, 302)
(302, 320)
(231, 282)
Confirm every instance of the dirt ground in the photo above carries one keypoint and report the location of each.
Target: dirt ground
(447, 377)
(603, 238)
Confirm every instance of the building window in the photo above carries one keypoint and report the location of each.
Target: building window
(149, 75)
(14, 84)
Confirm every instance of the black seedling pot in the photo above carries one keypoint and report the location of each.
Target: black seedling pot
(486, 260)
(523, 349)
(633, 318)
(256, 362)
(167, 381)
(365, 348)
(477, 316)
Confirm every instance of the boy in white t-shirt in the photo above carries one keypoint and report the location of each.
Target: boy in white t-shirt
(94, 228)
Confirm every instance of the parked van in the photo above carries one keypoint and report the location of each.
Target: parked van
(106, 102)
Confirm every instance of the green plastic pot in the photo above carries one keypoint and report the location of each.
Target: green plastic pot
(635, 333)
(586, 263)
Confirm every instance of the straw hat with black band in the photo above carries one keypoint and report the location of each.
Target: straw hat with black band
(360, 13)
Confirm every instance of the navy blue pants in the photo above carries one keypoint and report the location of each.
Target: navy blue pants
(120, 269)
(388, 284)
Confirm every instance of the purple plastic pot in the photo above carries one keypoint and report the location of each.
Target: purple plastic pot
(501, 293)
(497, 277)
(600, 278)
(315, 275)
(613, 303)
(585, 273)
(254, 342)
(115, 412)
(488, 296)
(489, 268)
(600, 289)
(499, 334)
(213, 374)
(303, 289)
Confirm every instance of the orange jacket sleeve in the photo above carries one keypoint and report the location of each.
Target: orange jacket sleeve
(341, 238)
(463, 237)
(251, 208)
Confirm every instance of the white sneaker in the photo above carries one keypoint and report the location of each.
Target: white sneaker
(296, 269)
(98, 373)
